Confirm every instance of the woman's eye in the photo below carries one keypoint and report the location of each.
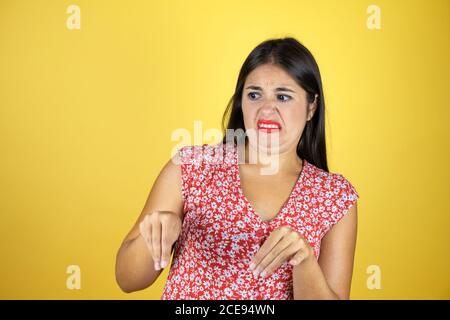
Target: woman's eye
(284, 95)
(251, 95)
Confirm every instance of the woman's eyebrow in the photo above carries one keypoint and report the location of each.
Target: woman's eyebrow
(277, 89)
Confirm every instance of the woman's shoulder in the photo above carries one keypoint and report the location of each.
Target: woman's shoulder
(334, 194)
(218, 153)
(331, 183)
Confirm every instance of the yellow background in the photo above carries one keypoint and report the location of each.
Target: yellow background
(86, 118)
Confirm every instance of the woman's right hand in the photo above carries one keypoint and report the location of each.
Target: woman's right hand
(160, 230)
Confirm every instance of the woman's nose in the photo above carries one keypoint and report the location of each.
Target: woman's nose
(269, 107)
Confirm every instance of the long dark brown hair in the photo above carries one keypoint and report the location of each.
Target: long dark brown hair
(289, 54)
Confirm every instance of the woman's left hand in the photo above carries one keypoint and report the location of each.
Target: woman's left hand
(281, 245)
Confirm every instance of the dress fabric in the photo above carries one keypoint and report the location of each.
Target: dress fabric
(221, 231)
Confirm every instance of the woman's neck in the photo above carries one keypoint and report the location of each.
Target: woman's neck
(273, 163)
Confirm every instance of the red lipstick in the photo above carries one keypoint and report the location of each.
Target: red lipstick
(268, 126)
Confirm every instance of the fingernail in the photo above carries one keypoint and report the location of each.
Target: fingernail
(157, 267)
(163, 263)
(252, 266)
(264, 274)
(256, 272)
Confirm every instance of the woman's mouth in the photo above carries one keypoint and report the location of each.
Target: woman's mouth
(268, 126)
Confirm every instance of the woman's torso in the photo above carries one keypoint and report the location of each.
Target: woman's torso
(221, 230)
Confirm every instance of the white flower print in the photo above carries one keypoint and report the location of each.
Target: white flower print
(228, 292)
(235, 247)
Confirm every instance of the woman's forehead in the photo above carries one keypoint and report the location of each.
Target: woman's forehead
(270, 76)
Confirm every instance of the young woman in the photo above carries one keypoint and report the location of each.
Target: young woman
(239, 233)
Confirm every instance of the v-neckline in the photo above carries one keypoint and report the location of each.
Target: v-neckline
(251, 208)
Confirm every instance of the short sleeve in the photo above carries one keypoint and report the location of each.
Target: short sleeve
(197, 164)
(339, 197)
(192, 160)
(188, 159)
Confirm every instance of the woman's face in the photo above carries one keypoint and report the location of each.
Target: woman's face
(273, 103)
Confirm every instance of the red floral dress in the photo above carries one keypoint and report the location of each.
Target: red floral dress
(221, 231)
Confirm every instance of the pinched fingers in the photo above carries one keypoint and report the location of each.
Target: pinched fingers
(150, 231)
(287, 246)
(160, 230)
(283, 245)
(266, 249)
(146, 232)
(273, 262)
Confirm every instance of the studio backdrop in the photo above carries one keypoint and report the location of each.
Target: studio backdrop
(91, 93)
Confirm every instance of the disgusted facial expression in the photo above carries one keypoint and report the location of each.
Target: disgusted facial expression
(273, 103)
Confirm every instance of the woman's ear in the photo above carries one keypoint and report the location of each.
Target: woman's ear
(312, 107)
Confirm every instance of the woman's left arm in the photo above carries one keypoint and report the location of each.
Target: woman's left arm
(330, 276)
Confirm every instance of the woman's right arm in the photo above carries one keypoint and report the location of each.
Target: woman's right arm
(152, 237)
